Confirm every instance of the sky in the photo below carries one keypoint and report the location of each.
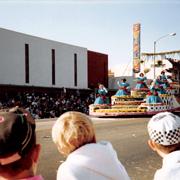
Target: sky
(99, 25)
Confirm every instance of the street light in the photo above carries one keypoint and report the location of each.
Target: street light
(171, 34)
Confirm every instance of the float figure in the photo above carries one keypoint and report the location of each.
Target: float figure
(153, 98)
(141, 82)
(101, 95)
(161, 90)
(124, 88)
(158, 85)
(164, 80)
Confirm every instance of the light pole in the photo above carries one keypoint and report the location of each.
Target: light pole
(171, 34)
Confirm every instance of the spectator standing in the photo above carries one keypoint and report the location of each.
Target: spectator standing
(19, 152)
(74, 135)
(164, 132)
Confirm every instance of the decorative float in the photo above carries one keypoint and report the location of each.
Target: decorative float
(138, 102)
(135, 104)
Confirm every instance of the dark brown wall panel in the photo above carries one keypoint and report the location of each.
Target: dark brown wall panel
(97, 69)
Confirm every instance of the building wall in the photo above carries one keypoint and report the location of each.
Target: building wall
(97, 69)
(12, 61)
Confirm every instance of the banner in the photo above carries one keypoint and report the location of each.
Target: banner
(136, 48)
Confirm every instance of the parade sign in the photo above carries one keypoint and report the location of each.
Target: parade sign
(136, 47)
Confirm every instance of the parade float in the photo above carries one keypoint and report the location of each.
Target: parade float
(143, 100)
(136, 102)
(135, 105)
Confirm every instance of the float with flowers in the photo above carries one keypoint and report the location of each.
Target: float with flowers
(139, 102)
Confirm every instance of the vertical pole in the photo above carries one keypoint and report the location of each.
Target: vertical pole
(154, 59)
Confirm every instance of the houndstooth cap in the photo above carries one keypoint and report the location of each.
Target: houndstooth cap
(164, 128)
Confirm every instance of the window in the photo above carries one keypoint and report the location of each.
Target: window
(26, 63)
(75, 69)
(53, 66)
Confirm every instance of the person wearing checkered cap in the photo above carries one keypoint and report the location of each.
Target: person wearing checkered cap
(19, 152)
(164, 132)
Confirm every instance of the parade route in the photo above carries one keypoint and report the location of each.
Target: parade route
(128, 136)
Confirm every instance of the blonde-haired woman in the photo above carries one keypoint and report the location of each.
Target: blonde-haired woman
(74, 135)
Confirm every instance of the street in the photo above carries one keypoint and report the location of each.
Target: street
(127, 135)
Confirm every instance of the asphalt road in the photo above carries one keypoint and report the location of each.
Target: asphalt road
(128, 136)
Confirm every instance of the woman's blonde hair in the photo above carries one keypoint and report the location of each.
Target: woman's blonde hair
(71, 131)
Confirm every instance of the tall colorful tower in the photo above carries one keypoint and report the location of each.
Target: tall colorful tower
(136, 48)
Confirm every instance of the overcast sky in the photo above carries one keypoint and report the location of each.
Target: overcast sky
(103, 26)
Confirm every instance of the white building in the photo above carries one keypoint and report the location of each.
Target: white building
(32, 61)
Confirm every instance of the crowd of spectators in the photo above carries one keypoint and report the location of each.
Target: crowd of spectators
(48, 105)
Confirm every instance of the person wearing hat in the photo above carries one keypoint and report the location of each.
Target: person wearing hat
(164, 132)
(19, 152)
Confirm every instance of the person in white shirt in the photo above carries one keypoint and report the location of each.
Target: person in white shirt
(74, 135)
(164, 132)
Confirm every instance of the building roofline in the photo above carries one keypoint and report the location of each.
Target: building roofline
(97, 52)
(33, 36)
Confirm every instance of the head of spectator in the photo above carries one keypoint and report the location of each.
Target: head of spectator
(164, 133)
(74, 135)
(19, 152)
(71, 131)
